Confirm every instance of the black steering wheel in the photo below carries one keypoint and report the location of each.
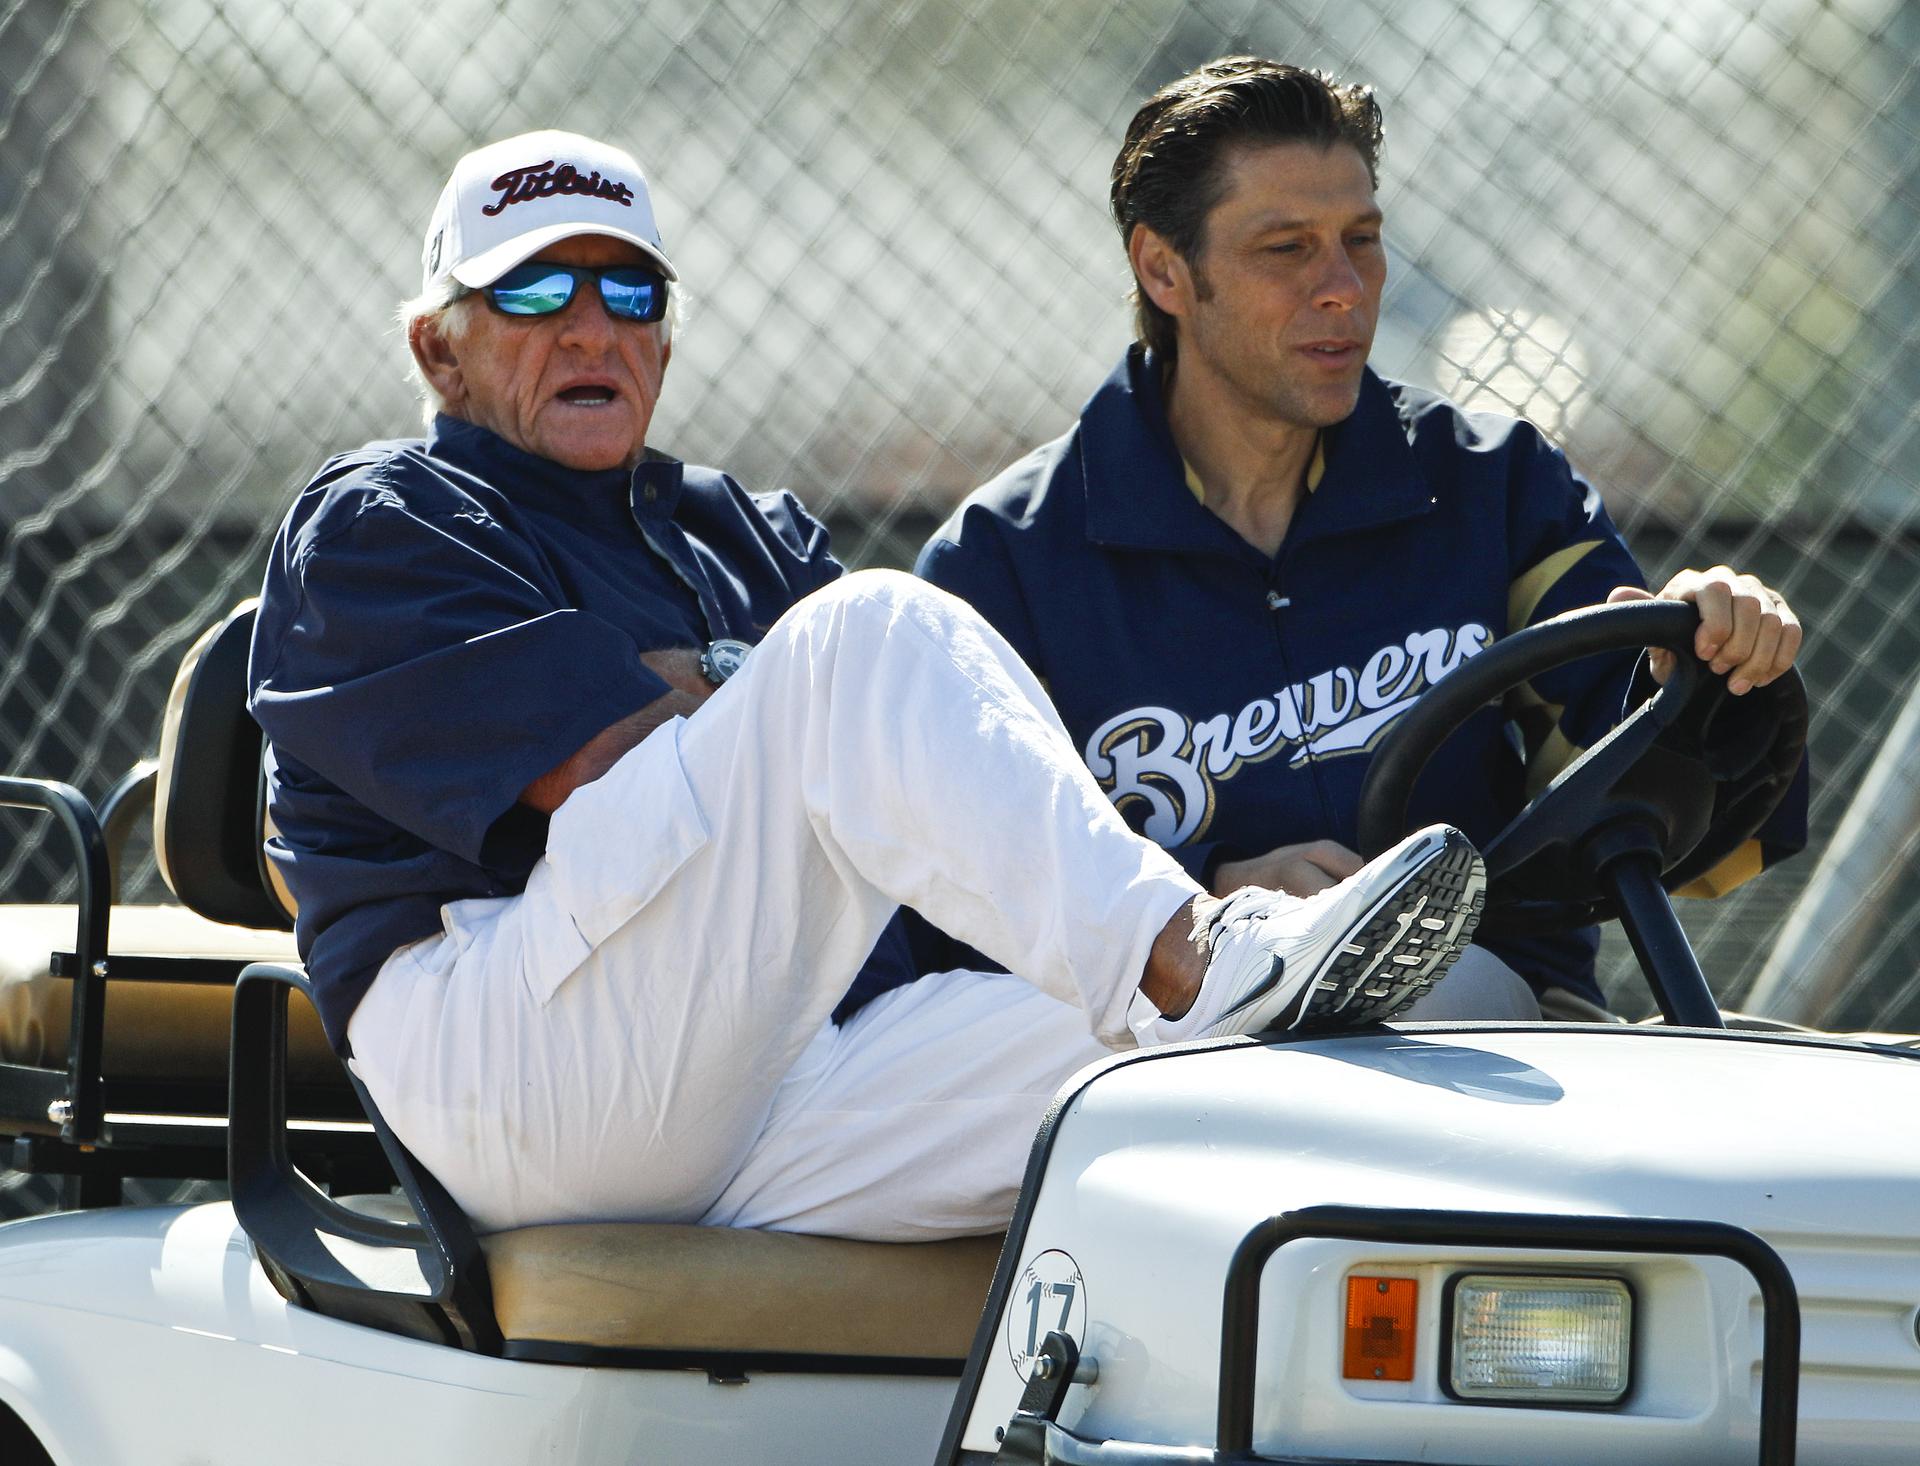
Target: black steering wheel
(1686, 778)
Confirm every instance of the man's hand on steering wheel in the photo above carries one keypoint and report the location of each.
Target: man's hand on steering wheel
(1747, 632)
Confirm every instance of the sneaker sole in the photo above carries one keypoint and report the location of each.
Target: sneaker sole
(1405, 943)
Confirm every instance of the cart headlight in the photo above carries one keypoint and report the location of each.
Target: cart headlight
(1541, 1339)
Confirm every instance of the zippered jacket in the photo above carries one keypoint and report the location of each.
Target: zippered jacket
(1228, 701)
(442, 622)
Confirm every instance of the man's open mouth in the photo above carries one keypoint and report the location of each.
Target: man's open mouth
(588, 396)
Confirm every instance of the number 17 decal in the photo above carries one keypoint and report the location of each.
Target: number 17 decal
(1050, 1296)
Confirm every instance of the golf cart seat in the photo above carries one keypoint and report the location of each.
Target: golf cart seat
(169, 1018)
(727, 1298)
(115, 1019)
(590, 1289)
(156, 1029)
(599, 1294)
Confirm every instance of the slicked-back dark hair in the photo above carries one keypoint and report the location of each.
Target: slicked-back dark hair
(1172, 167)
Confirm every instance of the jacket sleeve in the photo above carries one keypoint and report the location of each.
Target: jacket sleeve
(422, 663)
(1566, 554)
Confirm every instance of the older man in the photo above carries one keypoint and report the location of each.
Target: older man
(1252, 553)
(578, 913)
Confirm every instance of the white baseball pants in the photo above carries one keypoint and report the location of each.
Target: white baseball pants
(643, 1033)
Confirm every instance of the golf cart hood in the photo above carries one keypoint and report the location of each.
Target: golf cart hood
(1636, 1122)
(1160, 1165)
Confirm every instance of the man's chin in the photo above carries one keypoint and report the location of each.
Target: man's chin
(1321, 408)
(594, 453)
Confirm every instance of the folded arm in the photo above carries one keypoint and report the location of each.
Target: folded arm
(688, 687)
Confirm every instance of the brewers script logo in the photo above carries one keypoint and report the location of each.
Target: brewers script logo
(1170, 763)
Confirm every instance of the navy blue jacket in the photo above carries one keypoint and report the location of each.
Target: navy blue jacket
(1228, 701)
(444, 621)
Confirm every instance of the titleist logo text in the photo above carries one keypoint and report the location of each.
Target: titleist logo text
(542, 180)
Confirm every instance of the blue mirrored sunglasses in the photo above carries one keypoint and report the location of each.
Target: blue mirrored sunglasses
(538, 288)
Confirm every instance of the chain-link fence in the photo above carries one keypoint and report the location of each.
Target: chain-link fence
(1680, 237)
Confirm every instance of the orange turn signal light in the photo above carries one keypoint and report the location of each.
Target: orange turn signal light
(1380, 1314)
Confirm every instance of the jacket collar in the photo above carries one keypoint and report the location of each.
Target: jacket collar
(1137, 496)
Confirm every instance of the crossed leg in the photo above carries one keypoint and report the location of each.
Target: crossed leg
(612, 1042)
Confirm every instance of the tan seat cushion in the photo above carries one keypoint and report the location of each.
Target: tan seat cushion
(155, 1030)
(703, 1289)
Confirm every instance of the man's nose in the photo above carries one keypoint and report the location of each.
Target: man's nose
(586, 321)
(1340, 285)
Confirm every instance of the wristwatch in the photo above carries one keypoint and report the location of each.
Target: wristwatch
(722, 659)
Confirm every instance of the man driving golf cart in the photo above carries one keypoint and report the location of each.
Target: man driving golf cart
(1252, 553)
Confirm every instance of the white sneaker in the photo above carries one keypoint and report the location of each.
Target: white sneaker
(1355, 954)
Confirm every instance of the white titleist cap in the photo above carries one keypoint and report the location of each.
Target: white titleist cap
(510, 200)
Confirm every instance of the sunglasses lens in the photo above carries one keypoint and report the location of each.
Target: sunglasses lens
(634, 295)
(532, 290)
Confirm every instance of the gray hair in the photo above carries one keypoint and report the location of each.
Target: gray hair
(438, 303)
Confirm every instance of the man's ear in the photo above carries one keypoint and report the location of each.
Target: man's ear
(1163, 275)
(437, 359)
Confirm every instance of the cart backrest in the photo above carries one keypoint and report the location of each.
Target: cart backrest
(209, 811)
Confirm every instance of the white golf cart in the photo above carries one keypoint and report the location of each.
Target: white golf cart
(1468, 1244)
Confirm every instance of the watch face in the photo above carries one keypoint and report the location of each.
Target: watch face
(724, 658)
